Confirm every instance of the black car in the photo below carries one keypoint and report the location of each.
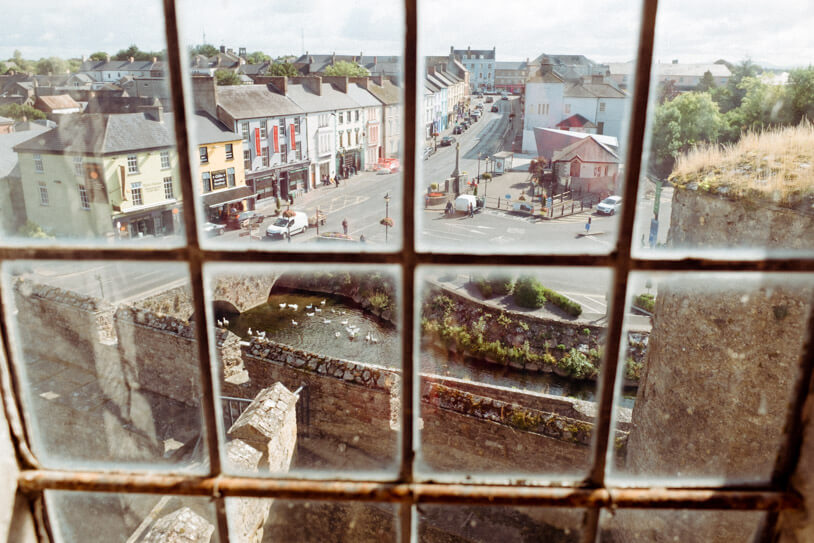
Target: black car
(458, 129)
(447, 141)
(495, 109)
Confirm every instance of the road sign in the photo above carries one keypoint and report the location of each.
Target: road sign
(508, 196)
(654, 232)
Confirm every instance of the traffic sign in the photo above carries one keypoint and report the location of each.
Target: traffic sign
(508, 196)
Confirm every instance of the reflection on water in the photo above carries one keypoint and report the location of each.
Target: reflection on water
(330, 328)
(327, 326)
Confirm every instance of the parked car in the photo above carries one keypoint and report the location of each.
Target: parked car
(495, 109)
(428, 151)
(244, 220)
(609, 205)
(447, 141)
(505, 97)
(458, 129)
(211, 229)
(465, 124)
(285, 226)
(489, 100)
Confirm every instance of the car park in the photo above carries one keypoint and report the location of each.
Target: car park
(447, 141)
(285, 226)
(609, 205)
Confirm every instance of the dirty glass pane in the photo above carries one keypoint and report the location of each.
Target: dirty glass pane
(107, 362)
(712, 364)
(509, 361)
(87, 143)
(485, 524)
(297, 521)
(662, 526)
(143, 518)
(308, 364)
(533, 138)
(727, 162)
(296, 132)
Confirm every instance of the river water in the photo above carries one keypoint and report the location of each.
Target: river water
(334, 328)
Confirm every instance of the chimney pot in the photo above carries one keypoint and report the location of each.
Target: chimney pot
(132, 60)
(155, 59)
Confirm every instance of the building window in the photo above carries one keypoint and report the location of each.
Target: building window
(296, 125)
(244, 130)
(567, 108)
(132, 163)
(265, 154)
(341, 117)
(357, 115)
(229, 152)
(282, 128)
(283, 153)
(135, 191)
(263, 129)
(84, 201)
(206, 181)
(601, 106)
(341, 139)
(230, 176)
(77, 166)
(169, 193)
(204, 155)
(38, 164)
(43, 194)
(247, 159)
(165, 160)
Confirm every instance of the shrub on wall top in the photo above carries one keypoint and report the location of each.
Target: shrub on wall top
(528, 292)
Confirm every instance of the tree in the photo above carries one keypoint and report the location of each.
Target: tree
(731, 99)
(19, 112)
(227, 77)
(762, 106)
(528, 292)
(258, 57)
(681, 124)
(707, 83)
(801, 94)
(205, 49)
(137, 54)
(350, 69)
(98, 55)
(51, 65)
(283, 68)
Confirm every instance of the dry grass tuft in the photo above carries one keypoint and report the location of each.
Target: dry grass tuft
(775, 166)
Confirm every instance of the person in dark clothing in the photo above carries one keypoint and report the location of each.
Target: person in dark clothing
(345, 225)
(471, 211)
(448, 210)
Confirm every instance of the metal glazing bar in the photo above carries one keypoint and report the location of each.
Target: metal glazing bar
(194, 257)
(657, 498)
(622, 266)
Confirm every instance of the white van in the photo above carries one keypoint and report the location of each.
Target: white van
(463, 202)
(283, 226)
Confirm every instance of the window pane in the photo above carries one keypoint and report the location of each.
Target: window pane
(660, 526)
(508, 370)
(532, 139)
(130, 517)
(311, 521)
(727, 162)
(310, 366)
(107, 363)
(315, 144)
(93, 111)
(713, 373)
(485, 524)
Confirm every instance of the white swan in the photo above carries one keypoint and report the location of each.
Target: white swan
(220, 323)
(309, 314)
(326, 321)
(337, 334)
(318, 310)
(367, 338)
(344, 322)
(295, 323)
(282, 306)
(225, 322)
(374, 340)
(294, 306)
(322, 302)
(262, 334)
(250, 331)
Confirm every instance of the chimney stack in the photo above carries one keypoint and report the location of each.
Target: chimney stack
(222, 48)
(333, 57)
(204, 94)
(363, 81)
(379, 80)
(375, 60)
(132, 60)
(107, 58)
(341, 81)
(597, 79)
(279, 82)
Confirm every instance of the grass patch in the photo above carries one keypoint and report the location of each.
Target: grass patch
(645, 301)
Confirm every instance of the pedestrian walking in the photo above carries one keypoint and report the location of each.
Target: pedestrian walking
(448, 210)
(588, 226)
(471, 211)
(345, 225)
(336, 180)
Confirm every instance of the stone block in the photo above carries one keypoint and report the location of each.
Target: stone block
(181, 526)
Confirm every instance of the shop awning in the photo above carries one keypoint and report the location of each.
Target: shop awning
(227, 196)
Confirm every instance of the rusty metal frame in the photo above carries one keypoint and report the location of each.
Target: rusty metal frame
(591, 494)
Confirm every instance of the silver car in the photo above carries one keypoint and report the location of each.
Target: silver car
(609, 205)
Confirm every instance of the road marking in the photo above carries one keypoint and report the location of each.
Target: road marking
(515, 230)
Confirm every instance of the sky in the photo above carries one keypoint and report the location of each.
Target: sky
(776, 32)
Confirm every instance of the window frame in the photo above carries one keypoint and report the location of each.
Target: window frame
(165, 160)
(592, 493)
(132, 164)
(137, 193)
(169, 190)
(39, 166)
(84, 198)
(230, 152)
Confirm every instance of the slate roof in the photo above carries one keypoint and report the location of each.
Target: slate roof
(8, 157)
(569, 152)
(100, 134)
(388, 93)
(330, 100)
(210, 130)
(482, 54)
(110, 103)
(549, 77)
(255, 101)
(121, 66)
(361, 96)
(511, 65)
(375, 64)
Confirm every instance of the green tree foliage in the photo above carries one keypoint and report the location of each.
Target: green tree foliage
(680, 124)
(283, 68)
(18, 112)
(51, 65)
(528, 292)
(205, 49)
(762, 106)
(98, 55)
(226, 77)
(258, 57)
(33, 230)
(707, 83)
(137, 54)
(801, 94)
(346, 68)
(23, 65)
(733, 95)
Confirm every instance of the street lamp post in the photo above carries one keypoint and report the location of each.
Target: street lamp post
(386, 214)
